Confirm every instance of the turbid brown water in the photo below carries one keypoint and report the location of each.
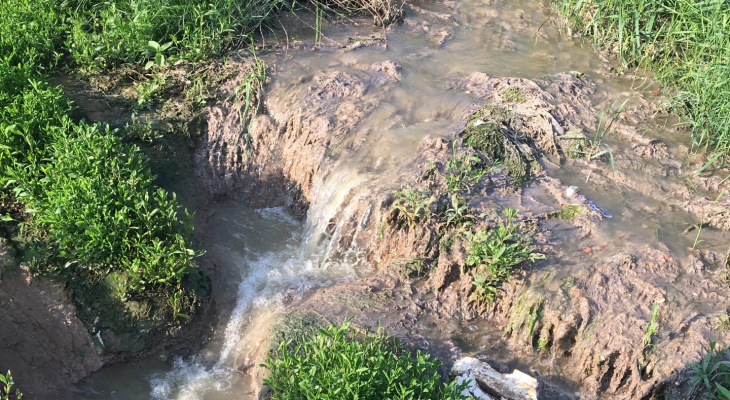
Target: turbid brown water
(267, 258)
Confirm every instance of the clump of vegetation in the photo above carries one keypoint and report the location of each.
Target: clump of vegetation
(100, 35)
(415, 266)
(246, 97)
(713, 373)
(495, 253)
(91, 196)
(569, 212)
(528, 312)
(578, 145)
(651, 327)
(686, 44)
(463, 172)
(6, 388)
(458, 215)
(513, 94)
(413, 206)
(340, 362)
(488, 131)
(595, 147)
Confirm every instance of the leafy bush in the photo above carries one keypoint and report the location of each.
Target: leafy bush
(99, 204)
(341, 363)
(713, 372)
(495, 253)
(29, 108)
(6, 388)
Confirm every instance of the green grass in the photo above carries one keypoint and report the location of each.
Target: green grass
(684, 43)
(339, 362)
(6, 388)
(94, 35)
(495, 253)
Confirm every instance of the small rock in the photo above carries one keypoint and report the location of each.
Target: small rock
(517, 385)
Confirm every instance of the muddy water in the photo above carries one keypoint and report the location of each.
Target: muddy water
(266, 258)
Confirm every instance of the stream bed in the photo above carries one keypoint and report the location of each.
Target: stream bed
(268, 260)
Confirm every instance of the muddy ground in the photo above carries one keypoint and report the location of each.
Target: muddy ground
(575, 320)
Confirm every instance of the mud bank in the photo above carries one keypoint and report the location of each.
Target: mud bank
(41, 332)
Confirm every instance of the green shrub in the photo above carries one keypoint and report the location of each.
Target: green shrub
(99, 204)
(686, 44)
(494, 253)
(6, 388)
(341, 363)
(29, 108)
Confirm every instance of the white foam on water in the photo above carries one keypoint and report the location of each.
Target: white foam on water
(268, 277)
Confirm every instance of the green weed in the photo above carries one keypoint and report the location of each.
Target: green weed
(136, 130)
(32, 32)
(339, 362)
(246, 95)
(569, 212)
(447, 241)
(713, 372)
(723, 323)
(488, 131)
(118, 32)
(463, 172)
(494, 253)
(90, 198)
(319, 13)
(651, 327)
(413, 206)
(6, 388)
(149, 91)
(98, 35)
(416, 265)
(458, 215)
(597, 146)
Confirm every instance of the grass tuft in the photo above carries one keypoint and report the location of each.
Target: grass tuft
(712, 373)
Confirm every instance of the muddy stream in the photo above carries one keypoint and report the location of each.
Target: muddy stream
(269, 261)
